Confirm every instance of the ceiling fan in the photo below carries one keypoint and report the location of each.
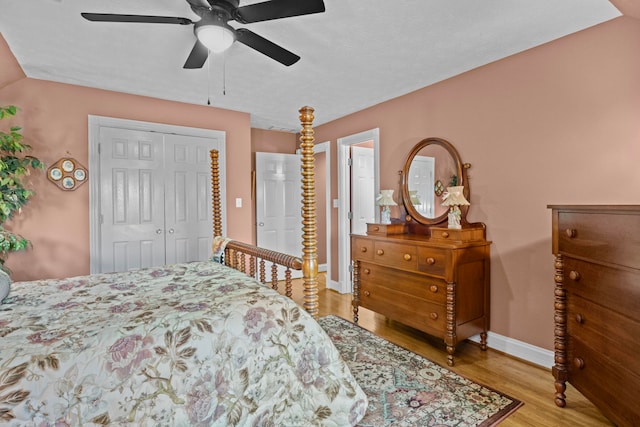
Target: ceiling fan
(215, 34)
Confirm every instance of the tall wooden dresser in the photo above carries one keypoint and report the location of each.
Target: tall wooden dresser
(437, 283)
(597, 307)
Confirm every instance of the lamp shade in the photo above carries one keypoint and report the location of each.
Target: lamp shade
(385, 198)
(454, 196)
(216, 38)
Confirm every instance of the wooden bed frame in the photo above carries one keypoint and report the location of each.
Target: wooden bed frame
(253, 260)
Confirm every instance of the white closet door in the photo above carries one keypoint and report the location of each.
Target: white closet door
(188, 212)
(131, 200)
(279, 204)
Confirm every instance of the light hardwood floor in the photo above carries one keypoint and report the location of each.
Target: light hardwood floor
(527, 382)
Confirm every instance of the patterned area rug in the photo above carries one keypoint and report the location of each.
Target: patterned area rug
(406, 390)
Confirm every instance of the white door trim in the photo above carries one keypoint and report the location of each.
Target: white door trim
(95, 123)
(344, 197)
(325, 147)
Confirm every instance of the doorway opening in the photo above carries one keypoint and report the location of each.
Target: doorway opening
(362, 193)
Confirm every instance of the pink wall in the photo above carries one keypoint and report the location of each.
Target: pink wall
(553, 125)
(54, 121)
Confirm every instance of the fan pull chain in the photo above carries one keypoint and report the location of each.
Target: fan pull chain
(208, 77)
(224, 73)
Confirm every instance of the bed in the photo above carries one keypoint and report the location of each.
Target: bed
(206, 343)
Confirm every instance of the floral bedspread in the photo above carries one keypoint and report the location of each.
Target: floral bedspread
(196, 344)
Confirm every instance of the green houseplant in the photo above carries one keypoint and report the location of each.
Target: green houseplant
(14, 166)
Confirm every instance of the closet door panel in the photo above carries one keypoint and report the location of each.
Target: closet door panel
(188, 216)
(131, 199)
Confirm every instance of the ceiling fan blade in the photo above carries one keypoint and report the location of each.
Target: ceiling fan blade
(199, 6)
(266, 47)
(276, 9)
(197, 57)
(114, 17)
(199, 3)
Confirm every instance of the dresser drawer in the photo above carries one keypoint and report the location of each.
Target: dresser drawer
(599, 236)
(409, 285)
(386, 229)
(466, 234)
(396, 304)
(396, 255)
(610, 386)
(618, 289)
(361, 248)
(432, 261)
(606, 332)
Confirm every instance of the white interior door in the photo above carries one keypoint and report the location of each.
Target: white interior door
(279, 202)
(363, 204)
(131, 200)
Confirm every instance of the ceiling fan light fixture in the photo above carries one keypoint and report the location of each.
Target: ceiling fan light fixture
(215, 37)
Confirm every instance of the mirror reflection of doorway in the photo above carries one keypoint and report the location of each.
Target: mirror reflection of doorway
(421, 183)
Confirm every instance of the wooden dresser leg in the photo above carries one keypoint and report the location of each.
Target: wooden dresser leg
(483, 341)
(559, 370)
(450, 338)
(451, 350)
(355, 302)
(560, 396)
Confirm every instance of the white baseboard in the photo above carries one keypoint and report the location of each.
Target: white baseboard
(322, 268)
(334, 285)
(521, 350)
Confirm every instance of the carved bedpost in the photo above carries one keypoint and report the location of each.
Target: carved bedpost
(309, 249)
(215, 193)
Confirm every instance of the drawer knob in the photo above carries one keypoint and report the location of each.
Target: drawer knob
(407, 257)
(571, 232)
(431, 261)
(433, 288)
(445, 234)
(363, 249)
(367, 293)
(434, 316)
(376, 228)
(366, 271)
(578, 363)
(380, 252)
(579, 318)
(574, 275)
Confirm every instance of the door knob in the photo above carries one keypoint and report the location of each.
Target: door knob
(261, 224)
(171, 231)
(159, 231)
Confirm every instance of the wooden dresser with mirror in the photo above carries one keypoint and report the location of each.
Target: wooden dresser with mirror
(417, 270)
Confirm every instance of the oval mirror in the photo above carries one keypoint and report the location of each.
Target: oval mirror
(431, 167)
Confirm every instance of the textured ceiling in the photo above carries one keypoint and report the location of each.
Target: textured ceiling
(355, 55)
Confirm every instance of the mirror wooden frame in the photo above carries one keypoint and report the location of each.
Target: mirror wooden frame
(461, 169)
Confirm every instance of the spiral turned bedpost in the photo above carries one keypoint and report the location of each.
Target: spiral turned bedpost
(309, 248)
(215, 193)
